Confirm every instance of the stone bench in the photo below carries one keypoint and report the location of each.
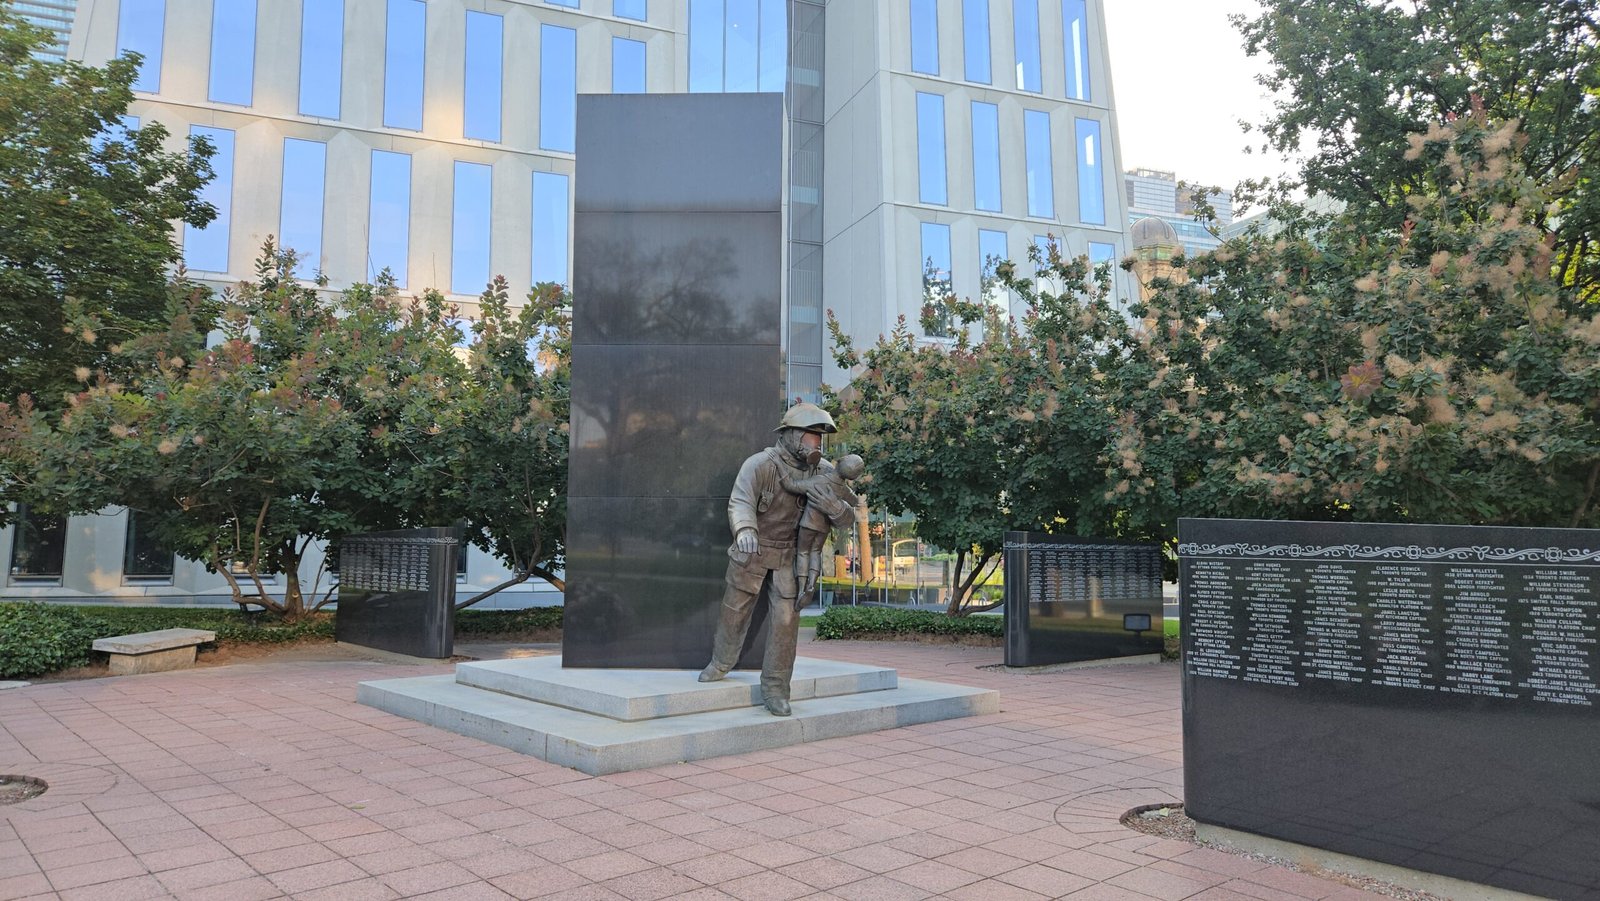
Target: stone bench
(153, 652)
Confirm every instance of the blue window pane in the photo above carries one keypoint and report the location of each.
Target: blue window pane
(233, 51)
(1075, 35)
(986, 156)
(975, 29)
(1091, 181)
(931, 179)
(402, 64)
(774, 45)
(115, 132)
(140, 24)
(991, 253)
(469, 233)
(1042, 244)
(321, 57)
(558, 87)
(741, 67)
(389, 216)
(1027, 40)
(549, 228)
(705, 45)
(629, 9)
(481, 105)
(570, 4)
(305, 170)
(1041, 182)
(206, 249)
(925, 36)
(627, 66)
(1102, 253)
(937, 283)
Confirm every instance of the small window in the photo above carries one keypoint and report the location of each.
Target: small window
(925, 36)
(991, 253)
(481, 82)
(403, 64)
(1041, 180)
(144, 559)
(1075, 37)
(986, 193)
(471, 221)
(932, 180)
(630, 9)
(558, 88)
(1091, 182)
(1026, 31)
(206, 249)
(233, 51)
(975, 32)
(140, 27)
(305, 169)
(38, 546)
(627, 66)
(321, 57)
(550, 231)
(937, 281)
(389, 216)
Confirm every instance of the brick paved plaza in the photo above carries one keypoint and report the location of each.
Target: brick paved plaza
(267, 780)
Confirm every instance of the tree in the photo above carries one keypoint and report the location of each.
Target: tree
(86, 215)
(1444, 370)
(978, 437)
(1355, 79)
(510, 481)
(309, 420)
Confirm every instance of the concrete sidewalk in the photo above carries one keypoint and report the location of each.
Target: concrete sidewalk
(267, 780)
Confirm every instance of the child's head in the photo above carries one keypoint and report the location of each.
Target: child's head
(850, 466)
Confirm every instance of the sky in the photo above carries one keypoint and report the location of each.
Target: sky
(1182, 82)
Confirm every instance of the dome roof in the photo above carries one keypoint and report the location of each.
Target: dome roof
(1151, 231)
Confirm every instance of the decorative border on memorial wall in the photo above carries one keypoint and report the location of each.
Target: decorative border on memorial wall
(1402, 553)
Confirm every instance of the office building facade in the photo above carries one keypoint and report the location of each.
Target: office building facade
(926, 141)
(1155, 193)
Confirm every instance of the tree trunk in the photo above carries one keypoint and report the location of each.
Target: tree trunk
(294, 603)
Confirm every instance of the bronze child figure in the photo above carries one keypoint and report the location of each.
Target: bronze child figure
(833, 482)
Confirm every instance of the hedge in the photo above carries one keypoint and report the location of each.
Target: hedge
(37, 639)
(853, 622)
(473, 623)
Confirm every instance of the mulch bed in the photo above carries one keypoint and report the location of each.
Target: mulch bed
(16, 789)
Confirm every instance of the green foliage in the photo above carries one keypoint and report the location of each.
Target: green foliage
(990, 433)
(1355, 79)
(36, 638)
(509, 476)
(313, 417)
(487, 623)
(873, 622)
(85, 221)
(231, 625)
(1441, 371)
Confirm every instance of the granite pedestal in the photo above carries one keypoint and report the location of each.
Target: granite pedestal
(601, 721)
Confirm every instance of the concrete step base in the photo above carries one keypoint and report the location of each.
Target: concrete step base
(597, 744)
(634, 695)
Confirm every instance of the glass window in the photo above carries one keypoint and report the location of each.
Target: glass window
(627, 66)
(550, 228)
(936, 279)
(931, 180)
(321, 57)
(774, 46)
(1102, 253)
(206, 249)
(629, 9)
(140, 24)
(569, 4)
(742, 65)
(38, 545)
(402, 64)
(1091, 184)
(469, 234)
(389, 216)
(705, 45)
(925, 36)
(305, 170)
(142, 556)
(1027, 40)
(986, 156)
(558, 88)
(1075, 35)
(738, 45)
(991, 253)
(1041, 184)
(481, 104)
(975, 31)
(233, 51)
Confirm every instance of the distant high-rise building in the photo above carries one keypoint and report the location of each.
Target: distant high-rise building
(1154, 193)
(55, 15)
